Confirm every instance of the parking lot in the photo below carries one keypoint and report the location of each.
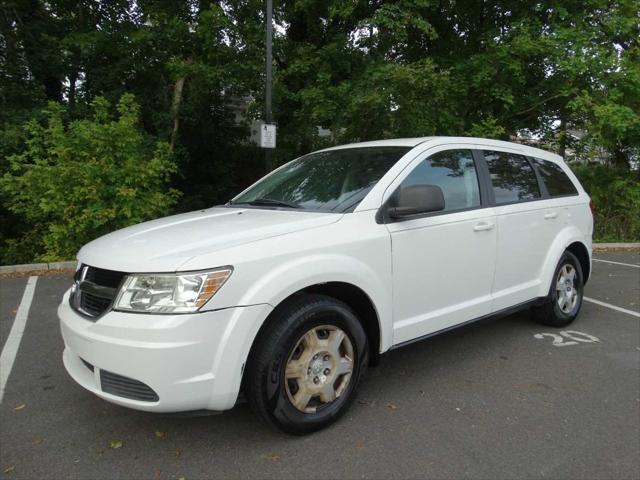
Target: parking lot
(504, 398)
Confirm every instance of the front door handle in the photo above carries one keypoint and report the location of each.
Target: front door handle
(482, 226)
(550, 215)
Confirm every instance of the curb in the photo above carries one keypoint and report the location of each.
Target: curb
(603, 247)
(32, 267)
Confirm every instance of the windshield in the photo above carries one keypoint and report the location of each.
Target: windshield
(331, 181)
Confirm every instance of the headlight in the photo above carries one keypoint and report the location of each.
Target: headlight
(170, 293)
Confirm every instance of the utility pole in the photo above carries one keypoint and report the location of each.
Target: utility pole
(268, 119)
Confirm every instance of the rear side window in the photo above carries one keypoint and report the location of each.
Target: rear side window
(454, 172)
(554, 178)
(512, 177)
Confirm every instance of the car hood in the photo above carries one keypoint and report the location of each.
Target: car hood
(165, 244)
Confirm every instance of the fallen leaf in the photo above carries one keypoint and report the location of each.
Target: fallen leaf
(161, 434)
(178, 452)
(272, 456)
(9, 470)
(37, 441)
(391, 406)
(115, 444)
(19, 407)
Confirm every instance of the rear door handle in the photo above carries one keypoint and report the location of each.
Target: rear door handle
(482, 226)
(550, 215)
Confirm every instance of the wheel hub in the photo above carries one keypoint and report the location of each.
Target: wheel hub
(319, 365)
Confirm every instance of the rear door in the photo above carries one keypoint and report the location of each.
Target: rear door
(527, 225)
(443, 262)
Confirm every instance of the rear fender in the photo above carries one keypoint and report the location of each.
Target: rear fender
(566, 237)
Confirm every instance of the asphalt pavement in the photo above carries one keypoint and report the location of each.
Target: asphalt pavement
(504, 398)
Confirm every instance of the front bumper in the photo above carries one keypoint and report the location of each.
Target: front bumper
(191, 361)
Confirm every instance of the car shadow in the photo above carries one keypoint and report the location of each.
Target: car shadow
(407, 369)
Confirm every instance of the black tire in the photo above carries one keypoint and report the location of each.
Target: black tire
(550, 313)
(264, 380)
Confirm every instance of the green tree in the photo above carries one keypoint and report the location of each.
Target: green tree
(361, 70)
(81, 179)
(615, 194)
(416, 67)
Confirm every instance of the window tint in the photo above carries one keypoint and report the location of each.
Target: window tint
(556, 181)
(454, 172)
(512, 177)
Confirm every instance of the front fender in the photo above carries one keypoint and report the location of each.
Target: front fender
(278, 283)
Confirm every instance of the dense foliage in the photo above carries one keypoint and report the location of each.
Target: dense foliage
(92, 176)
(565, 71)
(615, 195)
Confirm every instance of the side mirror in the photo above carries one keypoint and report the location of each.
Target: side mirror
(417, 199)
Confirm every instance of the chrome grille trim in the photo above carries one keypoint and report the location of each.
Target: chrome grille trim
(94, 291)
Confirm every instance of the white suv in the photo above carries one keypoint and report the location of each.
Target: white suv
(289, 290)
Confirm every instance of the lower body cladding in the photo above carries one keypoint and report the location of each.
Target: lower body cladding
(161, 363)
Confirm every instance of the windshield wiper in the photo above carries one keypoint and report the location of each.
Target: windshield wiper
(268, 202)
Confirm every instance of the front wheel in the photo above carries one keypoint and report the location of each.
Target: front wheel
(565, 296)
(306, 364)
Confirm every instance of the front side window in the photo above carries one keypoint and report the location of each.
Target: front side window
(331, 181)
(454, 172)
(512, 177)
(554, 178)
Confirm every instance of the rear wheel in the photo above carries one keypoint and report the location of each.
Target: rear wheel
(565, 296)
(306, 365)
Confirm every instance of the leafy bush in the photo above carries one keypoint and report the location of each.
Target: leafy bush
(615, 194)
(81, 179)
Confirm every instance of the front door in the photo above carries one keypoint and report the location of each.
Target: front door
(443, 263)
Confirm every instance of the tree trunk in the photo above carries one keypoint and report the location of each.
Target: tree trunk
(73, 79)
(562, 138)
(175, 109)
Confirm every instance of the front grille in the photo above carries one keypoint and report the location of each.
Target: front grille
(92, 304)
(106, 278)
(126, 387)
(95, 289)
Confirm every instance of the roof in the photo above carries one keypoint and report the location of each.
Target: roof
(484, 142)
(391, 142)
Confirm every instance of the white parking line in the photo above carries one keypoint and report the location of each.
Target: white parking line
(616, 263)
(613, 307)
(10, 349)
